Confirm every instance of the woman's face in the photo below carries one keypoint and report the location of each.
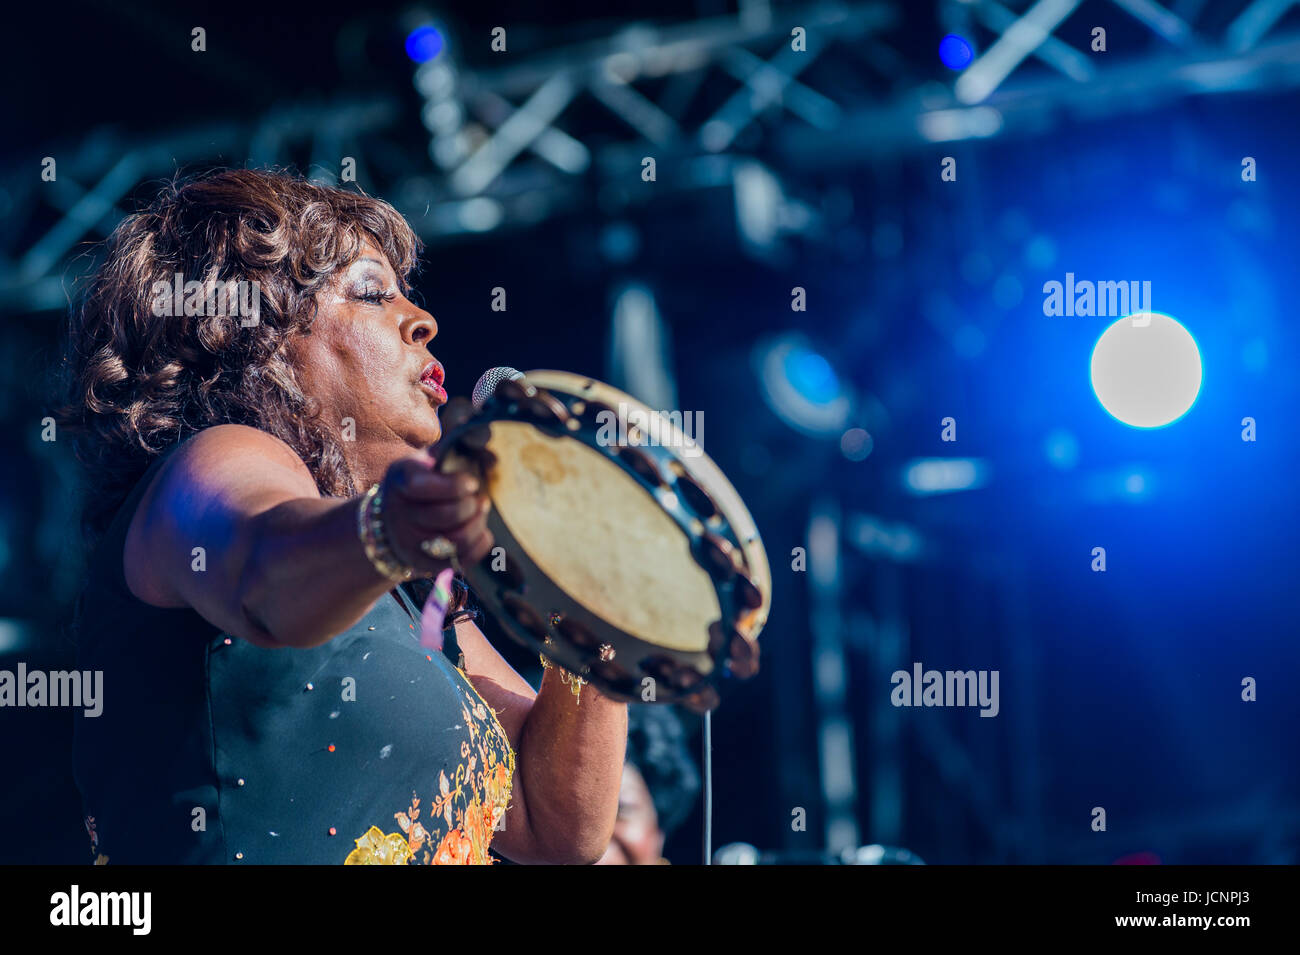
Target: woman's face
(367, 360)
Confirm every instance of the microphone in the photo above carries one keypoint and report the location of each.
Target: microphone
(487, 385)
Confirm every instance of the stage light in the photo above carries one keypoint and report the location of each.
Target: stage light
(955, 52)
(424, 43)
(799, 384)
(811, 375)
(925, 476)
(1146, 370)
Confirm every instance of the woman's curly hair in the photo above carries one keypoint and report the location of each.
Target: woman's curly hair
(137, 383)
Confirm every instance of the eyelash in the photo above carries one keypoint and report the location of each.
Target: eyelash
(376, 298)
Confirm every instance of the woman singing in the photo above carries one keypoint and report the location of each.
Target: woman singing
(267, 698)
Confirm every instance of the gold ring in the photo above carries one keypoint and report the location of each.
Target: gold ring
(439, 548)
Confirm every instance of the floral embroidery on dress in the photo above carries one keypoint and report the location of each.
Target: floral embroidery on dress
(375, 848)
(466, 809)
(416, 835)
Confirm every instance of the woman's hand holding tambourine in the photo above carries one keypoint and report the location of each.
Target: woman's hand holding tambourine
(434, 520)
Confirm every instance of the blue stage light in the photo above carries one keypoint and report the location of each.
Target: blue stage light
(812, 376)
(955, 52)
(799, 384)
(424, 44)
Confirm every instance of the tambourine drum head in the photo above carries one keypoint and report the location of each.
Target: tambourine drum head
(617, 561)
(598, 535)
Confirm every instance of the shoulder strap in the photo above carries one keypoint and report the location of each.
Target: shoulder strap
(407, 594)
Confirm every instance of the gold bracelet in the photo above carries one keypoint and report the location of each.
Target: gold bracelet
(370, 529)
(567, 678)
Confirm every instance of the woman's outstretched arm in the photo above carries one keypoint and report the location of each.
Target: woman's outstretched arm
(234, 527)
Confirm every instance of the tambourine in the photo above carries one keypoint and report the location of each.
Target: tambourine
(622, 553)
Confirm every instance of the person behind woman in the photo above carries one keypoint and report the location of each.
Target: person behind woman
(659, 788)
(259, 485)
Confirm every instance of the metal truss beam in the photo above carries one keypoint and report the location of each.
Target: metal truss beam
(524, 166)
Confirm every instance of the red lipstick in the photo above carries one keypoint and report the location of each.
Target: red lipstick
(431, 380)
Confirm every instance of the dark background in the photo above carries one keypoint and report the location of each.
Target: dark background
(1120, 690)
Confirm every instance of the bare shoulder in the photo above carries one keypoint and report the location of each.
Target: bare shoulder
(218, 475)
(228, 449)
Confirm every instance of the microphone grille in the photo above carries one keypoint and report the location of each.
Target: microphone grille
(487, 384)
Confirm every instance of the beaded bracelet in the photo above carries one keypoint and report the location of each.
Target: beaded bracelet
(370, 529)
